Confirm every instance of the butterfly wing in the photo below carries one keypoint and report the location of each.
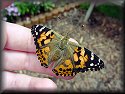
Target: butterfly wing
(45, 41)
(85, 60)
(64, 69)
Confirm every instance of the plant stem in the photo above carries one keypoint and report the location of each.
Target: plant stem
(89, 11)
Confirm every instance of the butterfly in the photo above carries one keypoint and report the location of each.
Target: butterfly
(69, 57)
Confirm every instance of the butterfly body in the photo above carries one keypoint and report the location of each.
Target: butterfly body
(69, 58)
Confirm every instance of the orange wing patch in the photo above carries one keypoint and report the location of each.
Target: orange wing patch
(45, 38)
(43, 56)
(86, 60)
(64, 69)
(80, 58)
(42, 35)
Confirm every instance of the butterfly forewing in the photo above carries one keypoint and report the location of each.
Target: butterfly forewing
(43, 38)
(85, 60)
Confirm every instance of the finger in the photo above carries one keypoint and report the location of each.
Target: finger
(4, 38)
(18, 37)
(25, 61)
(13, 81)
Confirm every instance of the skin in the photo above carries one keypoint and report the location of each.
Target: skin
(19, 54)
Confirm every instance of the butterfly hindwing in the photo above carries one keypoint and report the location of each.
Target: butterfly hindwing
(65, 68)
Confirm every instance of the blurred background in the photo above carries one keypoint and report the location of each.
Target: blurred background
(96, 25)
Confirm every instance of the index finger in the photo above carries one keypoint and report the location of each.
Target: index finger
(18, 37)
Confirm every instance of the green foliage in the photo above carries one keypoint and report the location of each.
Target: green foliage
(31, 8)
(27, 8)
(84, 5)
(111, 10)
(48, 5)
(22, 7)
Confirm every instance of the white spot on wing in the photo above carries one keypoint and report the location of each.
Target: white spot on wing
(92, 56)
(36, 33)
(99, 60)
(37, 26)
(42, 28)
(89, 68)
(91, 64)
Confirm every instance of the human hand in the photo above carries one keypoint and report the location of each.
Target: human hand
(19, 54)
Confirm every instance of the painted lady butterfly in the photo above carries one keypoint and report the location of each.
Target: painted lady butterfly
(69, 57)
